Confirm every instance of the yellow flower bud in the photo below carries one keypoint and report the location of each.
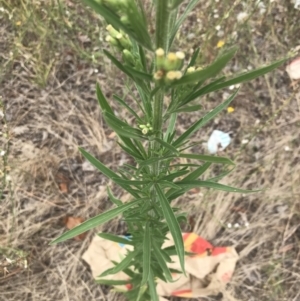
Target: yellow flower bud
(160, 58)
(191, 69)
(112, 41)
(113, 32)
(172, 62)
(180, 55)
(124, 41)
(128, 57)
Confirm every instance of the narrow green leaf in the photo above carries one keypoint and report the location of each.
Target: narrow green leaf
(146, 255)
(190, 6)
(143, 58)
(169, 184)
(198, 172)
(154, 91)
(125, 105)
(106, 171)
(113, 19)
(139, 74)
(155, 159)
(102, 100)
(95, 221)
(187, 109)
(117, 63)
(142, 291)
(131, 182)
(175, 4)
(172, 224)
(116, 238)
(138, 24)
(129, 144)
(248, 76)
(191, 96)
(112, 282)
(167, 146)
(194, 58)
(221, 175)
(130, 152)
(113, 198)
(152, 287)
(175, 175)
(122, 128)
(236, 80)
(213, 159)
(141, 148)
(204, 120)
(197, 183)
(170, 132)
(162, 262)
(208, 72)
(124, 264)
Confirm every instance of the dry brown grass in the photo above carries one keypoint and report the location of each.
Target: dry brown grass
(48, 85)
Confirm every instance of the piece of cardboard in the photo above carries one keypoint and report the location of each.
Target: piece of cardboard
(208, 270)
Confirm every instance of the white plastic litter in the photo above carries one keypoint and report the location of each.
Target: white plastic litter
(218, 141)
(293, 69)
(297, 4)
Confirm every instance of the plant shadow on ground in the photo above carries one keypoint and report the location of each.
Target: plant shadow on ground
(50, 61)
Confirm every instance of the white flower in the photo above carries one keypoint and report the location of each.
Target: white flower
(2, 153)
(241, 17)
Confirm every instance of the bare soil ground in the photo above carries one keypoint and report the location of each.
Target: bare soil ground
(50, 60)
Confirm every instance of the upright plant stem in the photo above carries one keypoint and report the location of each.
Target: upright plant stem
(162, 38)
(157, 127)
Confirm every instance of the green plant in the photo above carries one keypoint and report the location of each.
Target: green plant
(156, 180)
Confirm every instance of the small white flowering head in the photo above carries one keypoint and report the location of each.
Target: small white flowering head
(180, 55)
(171, 62)
(241, 17)
(190, 69)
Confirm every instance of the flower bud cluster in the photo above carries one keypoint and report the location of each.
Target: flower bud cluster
(168, 66)
(122, 42)
(118, 6)
(118, 39)
(146, 128)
